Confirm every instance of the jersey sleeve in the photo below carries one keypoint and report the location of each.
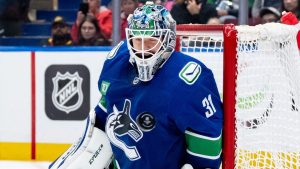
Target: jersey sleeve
(104, 83)
(198, 114)
(100, 109)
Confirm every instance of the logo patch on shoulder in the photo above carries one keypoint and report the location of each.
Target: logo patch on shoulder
(190, 73)
(103, 90)
(104, 87)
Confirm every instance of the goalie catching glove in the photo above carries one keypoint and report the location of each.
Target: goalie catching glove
(91, 151)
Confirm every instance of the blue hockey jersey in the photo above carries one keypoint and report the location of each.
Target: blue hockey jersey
(174, 119)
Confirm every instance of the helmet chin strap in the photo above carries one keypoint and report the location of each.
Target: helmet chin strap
(159, 63)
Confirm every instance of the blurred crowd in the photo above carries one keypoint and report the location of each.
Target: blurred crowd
(93, 24)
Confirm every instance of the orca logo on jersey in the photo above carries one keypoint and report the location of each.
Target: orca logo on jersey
(67, 92)
(120, 123)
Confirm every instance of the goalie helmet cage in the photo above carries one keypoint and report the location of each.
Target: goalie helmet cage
(261, 72)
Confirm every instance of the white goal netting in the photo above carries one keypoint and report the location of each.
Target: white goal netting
(267, 101)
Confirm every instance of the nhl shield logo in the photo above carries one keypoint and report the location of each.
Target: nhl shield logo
(67, 94)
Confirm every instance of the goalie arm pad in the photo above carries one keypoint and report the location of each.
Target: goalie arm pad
(91, 151)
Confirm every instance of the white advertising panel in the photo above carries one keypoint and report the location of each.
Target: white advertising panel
(15, 97)
(66, 90)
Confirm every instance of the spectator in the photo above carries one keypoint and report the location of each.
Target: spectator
(127, 7)
(12, 15)
(89, 34)
(193, 11)
(169, 4)
(230, 9)
(259, 4)
(269, 14)
(227, 10)
(94, 9)
(291, 6)
(60, 33)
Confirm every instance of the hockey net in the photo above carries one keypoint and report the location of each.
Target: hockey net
(260, 66)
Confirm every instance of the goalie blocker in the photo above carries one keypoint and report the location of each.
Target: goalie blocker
(91, 151)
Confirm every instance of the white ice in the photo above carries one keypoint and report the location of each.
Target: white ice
(23, 165)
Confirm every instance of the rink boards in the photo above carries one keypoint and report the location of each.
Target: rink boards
(46, 94)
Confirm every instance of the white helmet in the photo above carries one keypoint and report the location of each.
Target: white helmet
(154, 22)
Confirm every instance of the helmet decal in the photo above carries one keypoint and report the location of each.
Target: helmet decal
(155, 22)
(149, 17)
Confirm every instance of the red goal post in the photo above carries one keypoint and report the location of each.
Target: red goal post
(261, 93)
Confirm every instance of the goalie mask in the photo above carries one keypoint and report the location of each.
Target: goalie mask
(150, 38)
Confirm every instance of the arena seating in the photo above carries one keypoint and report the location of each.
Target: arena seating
(37, 33)
(23, 41)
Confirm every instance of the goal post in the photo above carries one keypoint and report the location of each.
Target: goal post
(259, 82)
(229, 101)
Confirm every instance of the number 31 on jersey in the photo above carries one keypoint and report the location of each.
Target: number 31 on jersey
(209, 105)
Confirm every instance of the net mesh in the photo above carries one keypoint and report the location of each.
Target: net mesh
(267, 115)
(267, 92)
